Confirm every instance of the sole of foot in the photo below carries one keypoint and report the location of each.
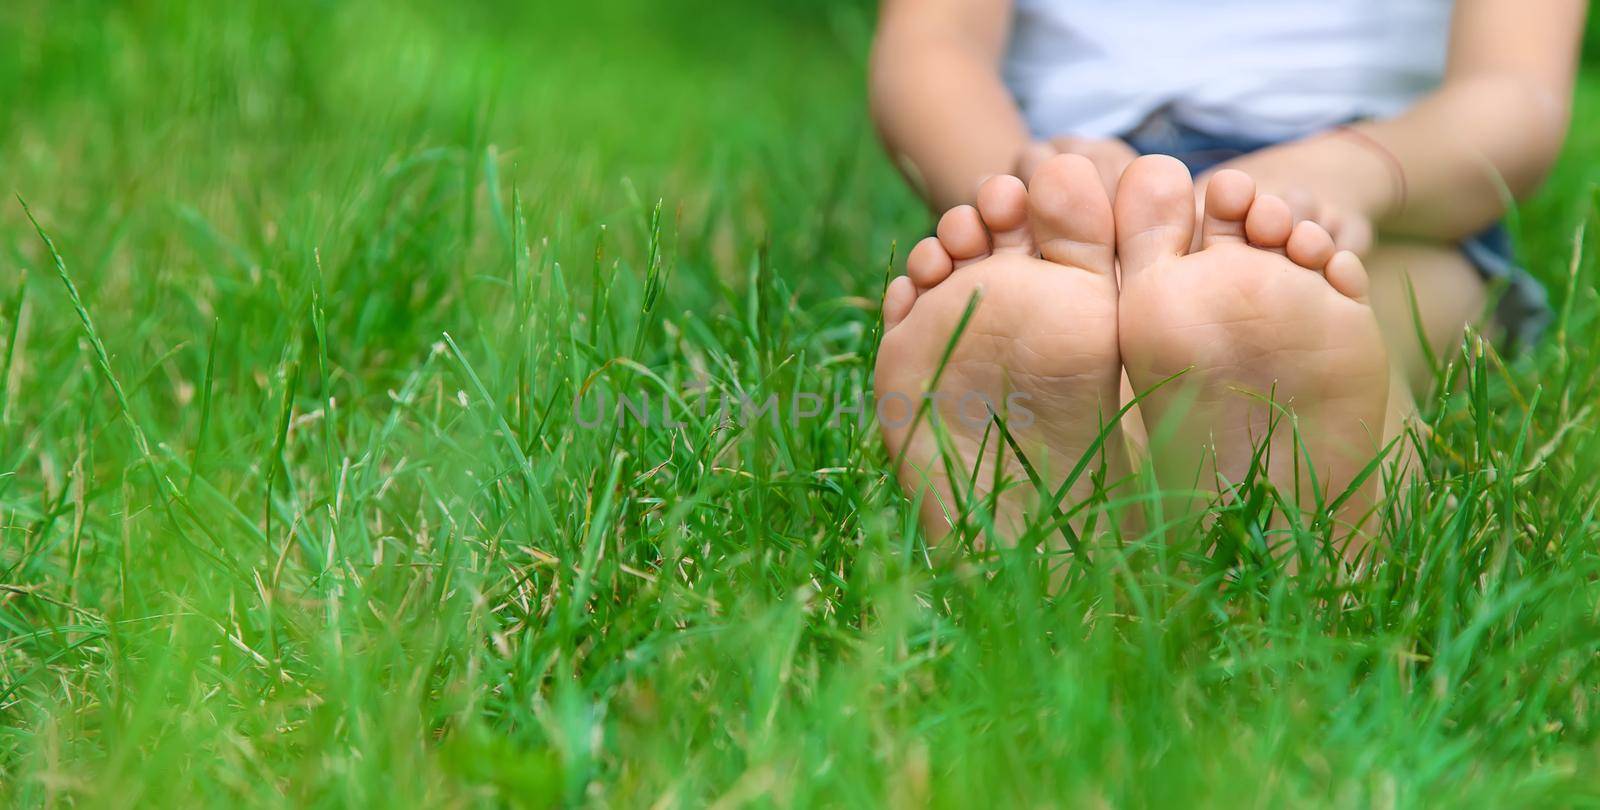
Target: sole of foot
(1040, 348)
(1269, 329)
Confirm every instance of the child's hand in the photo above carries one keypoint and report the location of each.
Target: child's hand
(1109, 155)
(1350, 231)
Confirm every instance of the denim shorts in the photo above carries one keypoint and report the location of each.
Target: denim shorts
(1523, 306)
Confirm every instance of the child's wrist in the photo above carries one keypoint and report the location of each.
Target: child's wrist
(1375, 177)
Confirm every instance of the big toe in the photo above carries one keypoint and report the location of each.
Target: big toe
(1154, 212)
(1071, 215)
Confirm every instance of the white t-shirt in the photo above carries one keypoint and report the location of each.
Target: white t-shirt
(1267, 69)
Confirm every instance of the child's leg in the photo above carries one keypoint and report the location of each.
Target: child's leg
(1449, 293)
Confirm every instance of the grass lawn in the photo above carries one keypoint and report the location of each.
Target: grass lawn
(295, 507)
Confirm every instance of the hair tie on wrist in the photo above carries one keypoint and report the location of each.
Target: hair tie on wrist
(1396, 168)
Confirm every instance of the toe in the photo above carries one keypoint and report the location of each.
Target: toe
(929, 263)
(1154, 212)
(1228, 199)
(1071, 215)
(897, 301)
(1269, 223)
(962, 233)
(1310, 246)
(1348, 275)
(1003, 206)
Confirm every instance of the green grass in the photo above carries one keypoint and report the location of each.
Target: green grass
(295, 509)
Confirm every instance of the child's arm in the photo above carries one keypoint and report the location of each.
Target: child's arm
(938, 99)
(1443, 169)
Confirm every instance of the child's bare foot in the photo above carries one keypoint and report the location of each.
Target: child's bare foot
(1265, 308)
(1042, 340)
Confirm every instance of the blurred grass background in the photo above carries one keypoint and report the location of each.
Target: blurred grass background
(328, 556)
